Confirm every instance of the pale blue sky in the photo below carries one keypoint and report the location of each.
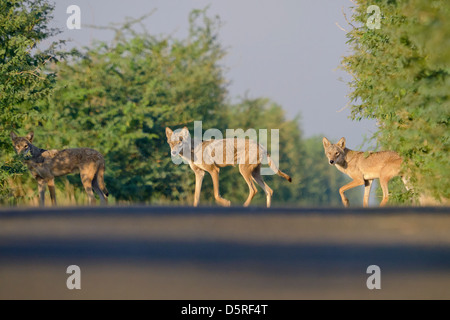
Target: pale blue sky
(285, 50)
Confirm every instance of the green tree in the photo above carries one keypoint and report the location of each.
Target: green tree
(23, 76)
(401, 78)
(119, 97)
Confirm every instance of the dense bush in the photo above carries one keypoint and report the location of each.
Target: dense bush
(401, 78)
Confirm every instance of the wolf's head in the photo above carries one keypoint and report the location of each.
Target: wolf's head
(22, 145)
(335, 152)
(178, 140)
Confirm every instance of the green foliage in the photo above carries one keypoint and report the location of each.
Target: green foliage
(23, 81)
(401, 76)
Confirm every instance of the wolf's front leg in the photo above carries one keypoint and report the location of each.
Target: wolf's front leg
(348, 186)
(199, 174)
(51, 188)
(41, 187)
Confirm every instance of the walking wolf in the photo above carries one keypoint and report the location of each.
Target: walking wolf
(363, 168)
(45, 165)
(211, 155)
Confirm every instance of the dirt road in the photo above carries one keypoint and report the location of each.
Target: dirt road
(225, 253)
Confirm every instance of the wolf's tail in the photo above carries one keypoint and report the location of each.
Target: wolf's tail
(278, 171)
(100, 179)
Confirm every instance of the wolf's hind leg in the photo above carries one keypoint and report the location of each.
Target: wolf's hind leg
(87, 176)
(247, 174)
(384, 180)
(367, 186)
(258, 178)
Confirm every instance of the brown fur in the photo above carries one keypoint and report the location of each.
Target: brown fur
(45, 165)
(250, 171)
(363, 168)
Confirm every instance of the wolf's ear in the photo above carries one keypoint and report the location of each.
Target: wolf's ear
(326, 143)
(13, 135)
(169, 132)
(30, 136)
(341, 143)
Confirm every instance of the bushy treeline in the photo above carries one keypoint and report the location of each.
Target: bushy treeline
(118, 98)
(401, 78)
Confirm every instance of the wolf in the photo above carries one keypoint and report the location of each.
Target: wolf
(45, 165)
(363, 168)
(211, 155)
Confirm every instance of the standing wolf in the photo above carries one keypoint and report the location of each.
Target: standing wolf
(211, 155)
(363, 168)
(45, 165)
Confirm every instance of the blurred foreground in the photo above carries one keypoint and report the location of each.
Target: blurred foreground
(224, 253)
